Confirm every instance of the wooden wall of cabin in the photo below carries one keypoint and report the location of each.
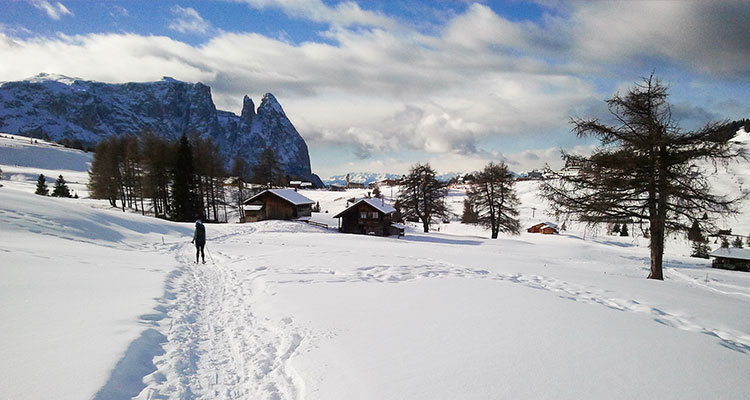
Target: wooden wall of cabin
(275, 208)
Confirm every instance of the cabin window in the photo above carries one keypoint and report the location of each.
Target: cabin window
(374, 215)
(363, 215)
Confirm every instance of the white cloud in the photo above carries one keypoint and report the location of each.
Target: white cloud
(707, 37)
(187, 20)
(119, 11)
(379, 87)
(54, 11)
(344, 14)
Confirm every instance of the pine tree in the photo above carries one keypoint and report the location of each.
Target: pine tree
(624, 230)
(493, 196)
(646, 169)
(616, 228)
(694, 234)
(376, 193)
(61, 188)
(41, 186)
(700, 249)
(724, 242)
(186, 204)
(737, 242)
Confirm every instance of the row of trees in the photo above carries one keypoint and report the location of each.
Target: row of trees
(181, 180)
(491, 202)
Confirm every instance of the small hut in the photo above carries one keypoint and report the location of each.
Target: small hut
(277, 204)
(545, 228)
(731, 258)
(371, 217)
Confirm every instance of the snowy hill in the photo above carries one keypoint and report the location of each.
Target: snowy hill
(56, 107)
(97, 303)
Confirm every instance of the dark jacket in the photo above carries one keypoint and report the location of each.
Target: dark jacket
(199, 236)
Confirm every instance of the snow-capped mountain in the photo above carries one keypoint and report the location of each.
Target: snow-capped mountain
(57, 107)
(370, 177)
(360, 177)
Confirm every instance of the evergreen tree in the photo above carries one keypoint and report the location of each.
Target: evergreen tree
(694, 234)
(624, 230)
(376, 193)
(724, 242)
(422, 196)
(186, 204)
(41, 186)
(700, 249)
(616, 228)
(61, 188)
(645, 170)
(493, 196)
(316, 207)
(737, 242)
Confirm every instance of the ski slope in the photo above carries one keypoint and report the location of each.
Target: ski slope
(101, 304)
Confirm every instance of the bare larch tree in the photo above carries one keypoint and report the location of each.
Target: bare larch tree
(646, 169)
(493, 196)
(422, 196)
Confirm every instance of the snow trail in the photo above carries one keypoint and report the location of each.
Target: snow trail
(216, 347)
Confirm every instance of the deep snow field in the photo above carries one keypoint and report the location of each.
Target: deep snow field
(97, 303)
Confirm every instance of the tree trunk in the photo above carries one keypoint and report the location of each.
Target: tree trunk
(657, 250)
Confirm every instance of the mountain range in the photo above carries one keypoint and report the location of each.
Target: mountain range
(59, 108)
(370, 177)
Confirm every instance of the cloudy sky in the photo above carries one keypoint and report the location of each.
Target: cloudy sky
(378, 85)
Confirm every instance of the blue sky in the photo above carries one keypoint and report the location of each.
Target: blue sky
(379, 85)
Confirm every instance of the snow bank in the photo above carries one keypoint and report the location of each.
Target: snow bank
(77, 286)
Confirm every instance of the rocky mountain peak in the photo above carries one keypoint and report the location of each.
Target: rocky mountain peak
(269, 102)
(56, 107)
(248, 108)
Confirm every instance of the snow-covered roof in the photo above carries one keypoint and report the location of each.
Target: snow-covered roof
(547, 224)
(731, 252)
(376, 203)
(287, 194)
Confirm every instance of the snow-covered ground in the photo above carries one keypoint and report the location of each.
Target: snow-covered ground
(97, 303)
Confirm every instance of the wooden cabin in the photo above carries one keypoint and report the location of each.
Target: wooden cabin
(545, 228)
(277, 204)
(371, 217)
(732, 258)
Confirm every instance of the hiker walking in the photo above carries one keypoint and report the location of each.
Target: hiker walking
(199, 238)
